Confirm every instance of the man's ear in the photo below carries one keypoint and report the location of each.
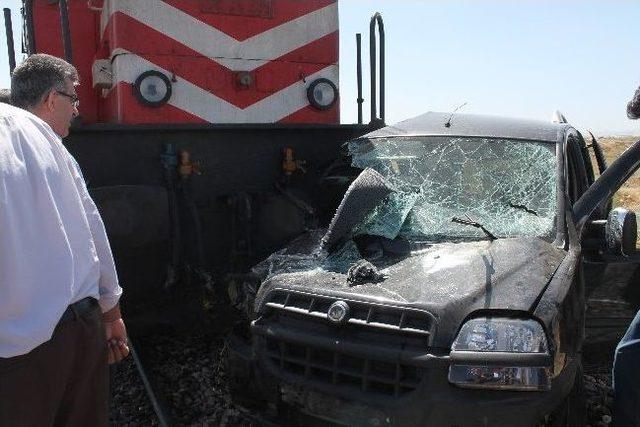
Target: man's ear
(48, 100)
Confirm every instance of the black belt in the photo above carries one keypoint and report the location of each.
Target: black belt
(77, 309)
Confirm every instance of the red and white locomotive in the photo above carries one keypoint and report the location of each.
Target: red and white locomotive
(197, 61)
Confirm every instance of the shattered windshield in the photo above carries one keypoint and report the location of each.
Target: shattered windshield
(507, 186)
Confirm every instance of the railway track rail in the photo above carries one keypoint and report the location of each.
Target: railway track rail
(157, 400)
(175, 374)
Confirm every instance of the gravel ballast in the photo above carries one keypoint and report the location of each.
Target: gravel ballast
(187, 369)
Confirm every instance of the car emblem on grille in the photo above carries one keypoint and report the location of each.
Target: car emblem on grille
(338, 312)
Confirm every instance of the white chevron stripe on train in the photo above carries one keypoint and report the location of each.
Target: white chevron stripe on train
(205, 105)
(236, 55)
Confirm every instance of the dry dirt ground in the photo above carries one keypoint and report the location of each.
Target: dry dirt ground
(629, 195)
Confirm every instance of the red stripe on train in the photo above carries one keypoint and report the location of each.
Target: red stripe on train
(309, 114)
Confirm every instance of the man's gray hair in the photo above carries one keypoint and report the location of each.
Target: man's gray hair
(5, 96)
(36, 76)
(633, 107)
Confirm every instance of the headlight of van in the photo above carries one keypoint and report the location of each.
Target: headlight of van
(501, 353)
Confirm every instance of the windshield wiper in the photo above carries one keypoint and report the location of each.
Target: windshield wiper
(524, 208)
(475, 224)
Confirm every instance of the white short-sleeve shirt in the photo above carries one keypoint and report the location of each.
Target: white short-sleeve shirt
(53, 246)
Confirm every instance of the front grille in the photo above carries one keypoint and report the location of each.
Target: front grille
(346, 371)
(299, 342)
(366, 315)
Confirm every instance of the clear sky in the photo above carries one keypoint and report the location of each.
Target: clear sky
(524, 58)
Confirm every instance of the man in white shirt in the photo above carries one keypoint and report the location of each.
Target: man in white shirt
(60, 322)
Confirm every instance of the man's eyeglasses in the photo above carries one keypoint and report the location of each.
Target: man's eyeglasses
(73, 97)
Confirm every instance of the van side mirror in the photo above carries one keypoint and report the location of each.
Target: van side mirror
(621, 232)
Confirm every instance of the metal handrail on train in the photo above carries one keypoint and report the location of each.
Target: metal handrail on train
(10, 46)
(376, 19)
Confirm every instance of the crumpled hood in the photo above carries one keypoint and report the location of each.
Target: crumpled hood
(450, 280)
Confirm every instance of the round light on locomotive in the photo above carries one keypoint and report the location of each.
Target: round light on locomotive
(152, 88)
(322, 94)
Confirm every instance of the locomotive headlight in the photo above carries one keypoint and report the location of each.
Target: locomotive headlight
(152, 88)
(501, 353)
(322, 94)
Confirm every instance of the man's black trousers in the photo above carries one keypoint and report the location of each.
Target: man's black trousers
(63, 382)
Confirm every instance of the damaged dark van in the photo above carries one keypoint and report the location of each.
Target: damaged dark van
(448, 289)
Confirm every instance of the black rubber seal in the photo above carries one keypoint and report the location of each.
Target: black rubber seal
(311, 99)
